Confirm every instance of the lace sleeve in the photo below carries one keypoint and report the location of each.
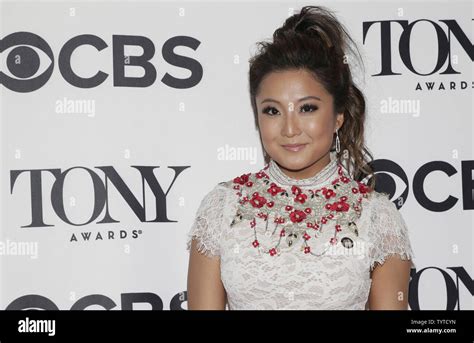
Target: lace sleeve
(388, 231)
(207, 227)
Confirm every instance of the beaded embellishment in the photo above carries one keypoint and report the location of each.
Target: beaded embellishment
(296, 211)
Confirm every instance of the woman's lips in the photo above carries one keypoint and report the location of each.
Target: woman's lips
(294, 147)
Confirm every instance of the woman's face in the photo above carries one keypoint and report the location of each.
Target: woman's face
(294, 108)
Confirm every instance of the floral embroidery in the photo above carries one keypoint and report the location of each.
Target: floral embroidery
(299, 213)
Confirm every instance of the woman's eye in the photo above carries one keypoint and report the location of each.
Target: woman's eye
(269, 110)
(308, 108)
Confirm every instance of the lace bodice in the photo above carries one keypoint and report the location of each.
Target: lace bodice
(339, 279)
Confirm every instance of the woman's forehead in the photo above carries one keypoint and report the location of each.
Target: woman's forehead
(291, 86)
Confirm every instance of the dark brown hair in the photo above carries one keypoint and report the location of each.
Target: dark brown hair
(314, 40)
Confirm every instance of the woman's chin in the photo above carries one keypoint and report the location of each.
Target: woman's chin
(294, 163)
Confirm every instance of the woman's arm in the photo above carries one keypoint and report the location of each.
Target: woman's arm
(390, 280)
(205, 288)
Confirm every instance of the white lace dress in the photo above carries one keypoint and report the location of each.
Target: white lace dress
(338, 279)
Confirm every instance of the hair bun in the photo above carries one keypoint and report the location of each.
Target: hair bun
(313, 21)
(316, 31)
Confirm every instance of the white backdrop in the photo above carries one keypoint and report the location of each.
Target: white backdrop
(101, 178)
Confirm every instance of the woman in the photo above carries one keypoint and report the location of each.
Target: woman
(303, 232)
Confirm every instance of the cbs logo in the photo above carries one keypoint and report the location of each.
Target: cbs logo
(23, 62)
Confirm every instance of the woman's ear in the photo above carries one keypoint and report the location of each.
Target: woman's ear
(339, 120)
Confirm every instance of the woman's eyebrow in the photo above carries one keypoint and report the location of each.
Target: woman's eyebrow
(302, 99)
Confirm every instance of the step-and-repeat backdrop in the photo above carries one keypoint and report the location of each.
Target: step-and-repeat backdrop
(118, 117)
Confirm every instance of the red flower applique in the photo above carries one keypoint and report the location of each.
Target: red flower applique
(363, 188)
(301, 198)
(328, 193)
(274, 189)
(340, 206)
(242, 179)
(279, 220)
(257, 200)
(295, 190)
(297, 216)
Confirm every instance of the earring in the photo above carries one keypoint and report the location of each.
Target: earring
(338, 143)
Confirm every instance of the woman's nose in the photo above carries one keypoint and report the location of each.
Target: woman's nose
(291, 126)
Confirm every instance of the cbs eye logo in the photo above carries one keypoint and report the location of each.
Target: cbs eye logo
(23, 62)
(391, 177)
(23, 54)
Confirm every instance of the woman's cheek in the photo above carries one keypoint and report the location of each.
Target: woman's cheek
(269, 129)
(318, 128)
